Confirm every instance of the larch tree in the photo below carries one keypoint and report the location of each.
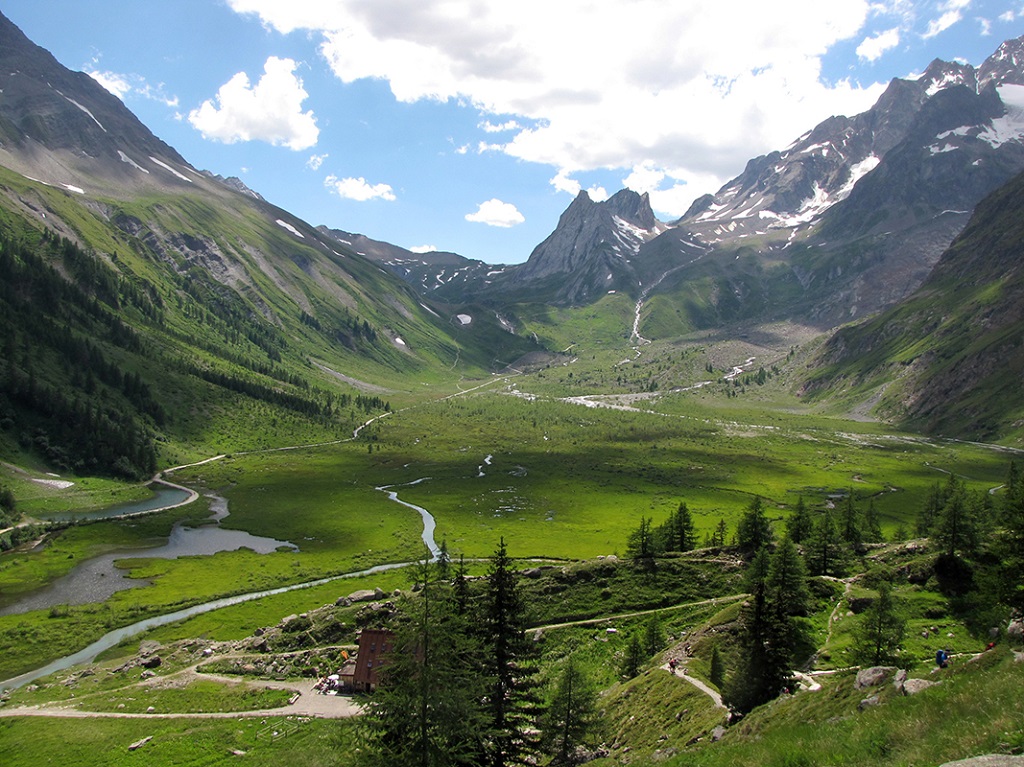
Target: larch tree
(571, 715)
(879, 635)
(754, 531)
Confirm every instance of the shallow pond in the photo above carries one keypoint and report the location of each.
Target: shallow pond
(96, 579)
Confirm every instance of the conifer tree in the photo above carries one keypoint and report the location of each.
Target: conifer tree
(850, 525)
(880, 633)
(754, 530)
(1010, 545)
(955, 529)
(654, 636)
(872, 526)
(642, 544)
(801, 523)
(825, 551)
(571, 714)
(678, 533)
(634, 658)
(427, 710)
(717, 673)
(509, 664)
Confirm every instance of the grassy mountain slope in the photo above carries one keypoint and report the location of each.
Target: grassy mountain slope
(950, 358)
(223, 314)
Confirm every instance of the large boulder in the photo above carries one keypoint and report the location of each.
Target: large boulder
(1015, 631)
(914, 686)
(874, 676)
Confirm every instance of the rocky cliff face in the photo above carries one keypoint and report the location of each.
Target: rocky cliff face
(590, 252)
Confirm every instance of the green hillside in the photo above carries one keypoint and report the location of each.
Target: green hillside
(950, 358)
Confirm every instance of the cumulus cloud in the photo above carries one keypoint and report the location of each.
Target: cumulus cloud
(692, 102)
(873, 48)
(358, 189)
(270, 110)
(494, 212)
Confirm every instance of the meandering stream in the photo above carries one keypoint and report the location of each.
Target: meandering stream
(117, 636)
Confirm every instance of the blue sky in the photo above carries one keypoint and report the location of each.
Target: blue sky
(469, 125)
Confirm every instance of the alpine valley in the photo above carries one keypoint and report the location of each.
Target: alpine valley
(697, 492)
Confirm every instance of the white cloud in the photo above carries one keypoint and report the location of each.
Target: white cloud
(488, 127)
(952, 13)
(316, 160)
(358, 189)
(563, 183)
(1007, 17)
(494, 212)
(986, 26)
(269, 111)
(872, 48)
(586, 93)
(423, 249)
(113, 82)
(123, 85)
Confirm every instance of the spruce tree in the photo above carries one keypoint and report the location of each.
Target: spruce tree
(428, 709)
(509, 664)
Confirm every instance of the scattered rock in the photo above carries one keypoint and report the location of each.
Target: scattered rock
(663, 754)
(718, 733)
(147, 674)
(899, 680)
(914, 686)
(989, 760)
(140, 743)
(150, 710)
(151, 662)
(1015, 630)
(871, 677)
(874, 700)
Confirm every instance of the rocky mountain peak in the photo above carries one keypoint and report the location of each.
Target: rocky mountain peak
(1005, 66)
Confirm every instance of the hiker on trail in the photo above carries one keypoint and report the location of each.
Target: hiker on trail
(672, 665)
(941, 658)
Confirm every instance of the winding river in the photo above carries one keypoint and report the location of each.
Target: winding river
(115, 637)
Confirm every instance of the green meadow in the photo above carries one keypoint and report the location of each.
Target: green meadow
(508, 458)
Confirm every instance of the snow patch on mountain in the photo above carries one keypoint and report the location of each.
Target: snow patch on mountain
(1009, 127)
(285, 225)
(165, 166)
(85, 109)
(130, 161)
